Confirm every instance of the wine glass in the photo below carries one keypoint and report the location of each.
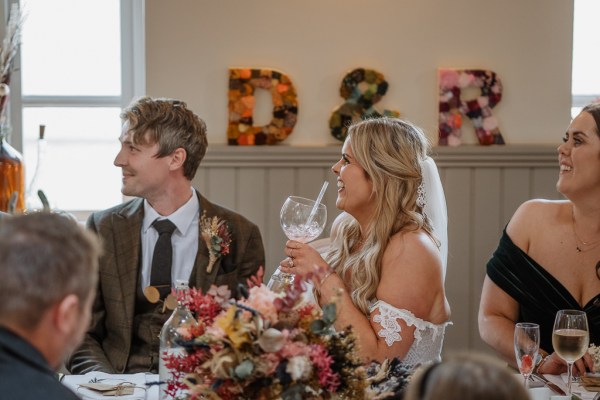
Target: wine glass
(527, 345)
(570, 338)
(300, 221)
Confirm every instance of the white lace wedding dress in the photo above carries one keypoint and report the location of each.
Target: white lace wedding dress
(429, 337)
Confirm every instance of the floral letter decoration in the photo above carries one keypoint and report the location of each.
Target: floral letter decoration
(217, 237)
(242, 83)
(479, 110)
(361, 88)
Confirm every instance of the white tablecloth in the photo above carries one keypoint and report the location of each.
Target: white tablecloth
(576, 388)
(143, 391)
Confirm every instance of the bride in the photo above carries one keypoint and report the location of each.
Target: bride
(385, 265)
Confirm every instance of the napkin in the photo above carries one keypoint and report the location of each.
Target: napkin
(109, 386)
(576, 387)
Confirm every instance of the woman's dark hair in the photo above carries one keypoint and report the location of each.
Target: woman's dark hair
(594, 110)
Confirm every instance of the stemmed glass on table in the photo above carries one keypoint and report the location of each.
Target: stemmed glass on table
(527, 345)
(570, 338)
(302, 220)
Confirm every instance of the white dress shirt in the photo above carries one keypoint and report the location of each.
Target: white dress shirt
(184, 239)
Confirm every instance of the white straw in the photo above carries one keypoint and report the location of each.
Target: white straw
(313, 212)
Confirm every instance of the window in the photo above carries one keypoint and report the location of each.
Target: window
(586, 80)
(78, 62)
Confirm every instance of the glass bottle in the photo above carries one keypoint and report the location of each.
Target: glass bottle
(35, 201)
(169, 337)
(12, 177)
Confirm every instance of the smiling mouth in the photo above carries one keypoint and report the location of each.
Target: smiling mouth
(340, 185)
(565, 168)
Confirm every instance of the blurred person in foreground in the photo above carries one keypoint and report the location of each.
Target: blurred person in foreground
(49, 268)
(162, 145)
(386, 263)
(466, 377)
(548, 258)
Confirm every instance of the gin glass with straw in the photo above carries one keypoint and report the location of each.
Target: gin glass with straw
(302, 220)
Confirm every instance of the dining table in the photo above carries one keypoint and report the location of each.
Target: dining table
(577, 389)
(145, 386)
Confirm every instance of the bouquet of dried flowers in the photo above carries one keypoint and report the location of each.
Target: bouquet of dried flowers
(10, 45)
(265, 346)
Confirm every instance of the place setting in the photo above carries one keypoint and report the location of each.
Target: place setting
(570, 339)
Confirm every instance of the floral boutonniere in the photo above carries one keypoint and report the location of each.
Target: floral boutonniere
(217, 237)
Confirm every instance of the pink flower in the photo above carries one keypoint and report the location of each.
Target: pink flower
(271, 360)
(322, 361)
(215, 332)
(490, 123)
(263, 300)
(454, 140)
(294, 349)
(465, 79)
(185, 332)
(448, 78)
(221, 294)
(483, 101)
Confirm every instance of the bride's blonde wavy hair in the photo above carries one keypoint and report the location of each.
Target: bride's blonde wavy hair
(390, 151)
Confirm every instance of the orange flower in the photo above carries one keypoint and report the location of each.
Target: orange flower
(234, 329)
(245, 73)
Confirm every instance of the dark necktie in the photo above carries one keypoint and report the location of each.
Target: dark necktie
(162, 258)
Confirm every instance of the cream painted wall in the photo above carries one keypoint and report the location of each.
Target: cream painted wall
(190, 44)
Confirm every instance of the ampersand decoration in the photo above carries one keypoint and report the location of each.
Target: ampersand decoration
(361, 88)
(242, 83)
(479, 110)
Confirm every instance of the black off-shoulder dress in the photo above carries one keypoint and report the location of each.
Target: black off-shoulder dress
(538, 293)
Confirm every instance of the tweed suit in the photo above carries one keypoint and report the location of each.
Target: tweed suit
(107, 344)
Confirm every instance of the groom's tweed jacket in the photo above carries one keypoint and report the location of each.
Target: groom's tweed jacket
(107, 344)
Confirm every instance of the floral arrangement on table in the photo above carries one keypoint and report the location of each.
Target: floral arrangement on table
(274, 346)
(265, 346)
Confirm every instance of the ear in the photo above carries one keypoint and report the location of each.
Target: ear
(66, 314)
(177, 158)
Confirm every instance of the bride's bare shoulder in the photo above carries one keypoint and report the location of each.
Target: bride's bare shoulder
(412, 247)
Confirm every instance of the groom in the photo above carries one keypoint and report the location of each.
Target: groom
(162, 144)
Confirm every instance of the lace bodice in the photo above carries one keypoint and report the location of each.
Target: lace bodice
(429, 337)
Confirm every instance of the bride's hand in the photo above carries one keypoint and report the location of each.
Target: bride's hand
(302, 259)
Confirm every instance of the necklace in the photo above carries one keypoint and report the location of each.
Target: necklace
(582, 248)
